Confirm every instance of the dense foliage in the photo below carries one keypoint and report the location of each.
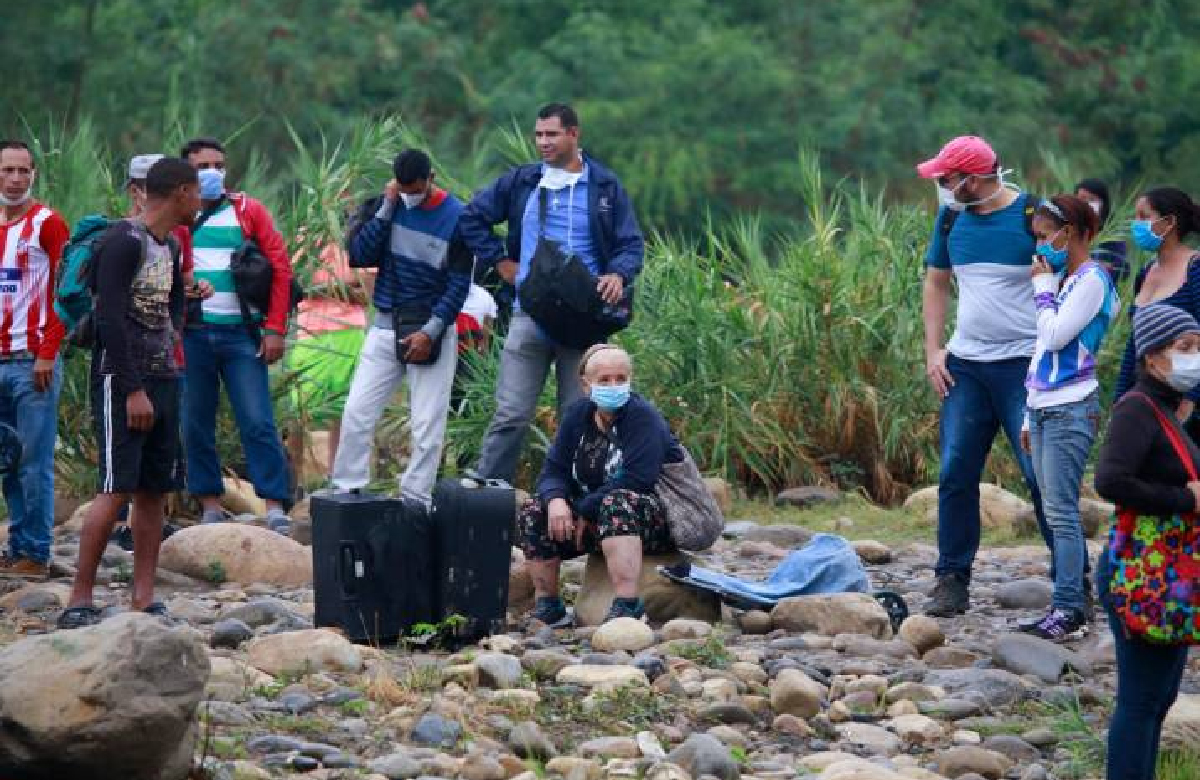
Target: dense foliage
(701, 104)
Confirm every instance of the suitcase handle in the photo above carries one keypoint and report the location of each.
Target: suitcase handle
(351, 567)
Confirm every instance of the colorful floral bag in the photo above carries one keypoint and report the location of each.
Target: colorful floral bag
(1155, 586)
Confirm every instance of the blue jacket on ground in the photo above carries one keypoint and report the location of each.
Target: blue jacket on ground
(644, 442)
(614, 228)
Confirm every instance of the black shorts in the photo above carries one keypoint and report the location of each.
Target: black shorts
(137, 461)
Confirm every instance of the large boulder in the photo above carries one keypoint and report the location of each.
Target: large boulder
(520, 584)
(999, 509)
(833, 614)
(1181, 729)
(665, 600)
(117, 700)
(237, 553)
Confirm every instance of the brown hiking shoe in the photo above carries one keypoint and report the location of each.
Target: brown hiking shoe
(23, 568)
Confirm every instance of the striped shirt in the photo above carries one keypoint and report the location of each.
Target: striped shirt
(30, 249)
(213, 246)
(1187, 297)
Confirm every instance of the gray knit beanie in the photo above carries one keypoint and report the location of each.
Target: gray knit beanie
(1159, 324)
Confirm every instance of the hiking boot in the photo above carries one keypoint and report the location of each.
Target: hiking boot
(279, 522)
(950, 596)
(1059, 626)
(159, 610)
(23, 569)
(622, 607)
(79, 617)
(123, 538)
(552, 612)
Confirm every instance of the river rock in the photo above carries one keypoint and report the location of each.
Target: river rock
(918, 730)
(603, 677)
(1028, 654)
(311, 650)
(1181, 729)
(683, 628)
(922, 632)
(239, 553)
(664, 599)
(626, 633)
(1031, 594)
(999, 509)
(830, 615)
(795, 693)
(958, 761)
(873, 552)
(498, 670)
(702, 754)
(116, 700)
(807, 497)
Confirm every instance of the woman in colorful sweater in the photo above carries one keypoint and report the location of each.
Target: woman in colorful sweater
(1076, 302)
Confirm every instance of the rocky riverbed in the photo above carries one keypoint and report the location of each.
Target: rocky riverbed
(820, 687)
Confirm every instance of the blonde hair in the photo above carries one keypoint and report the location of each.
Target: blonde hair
(594, 349)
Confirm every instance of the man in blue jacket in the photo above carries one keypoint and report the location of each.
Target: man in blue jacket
(588, 213)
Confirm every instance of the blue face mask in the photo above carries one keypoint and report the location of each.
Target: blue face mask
(212, 183)
(610, 398)
(1055, 258)
(1144, 236)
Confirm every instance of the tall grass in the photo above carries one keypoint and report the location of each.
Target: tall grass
(779, 360)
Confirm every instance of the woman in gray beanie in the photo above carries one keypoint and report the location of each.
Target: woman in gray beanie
(1144, 470)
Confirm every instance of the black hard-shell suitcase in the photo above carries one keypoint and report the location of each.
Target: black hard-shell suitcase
(474, 531)
(373, 574)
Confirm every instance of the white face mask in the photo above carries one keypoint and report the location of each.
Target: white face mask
(412, 201)
(21, 200)
(1185, 371)
(1096, 206)
(558, 178)
(949, 198)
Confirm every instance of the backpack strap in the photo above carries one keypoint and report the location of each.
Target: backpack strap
(1173, 435)
(1031, 206)
(541, 191)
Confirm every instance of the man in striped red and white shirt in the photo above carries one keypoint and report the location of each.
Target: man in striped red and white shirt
(32, 238)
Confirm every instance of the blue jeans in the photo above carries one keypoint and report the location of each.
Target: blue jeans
(227, 355)
(986, 397)
(29, 491)
(1148, 678)
(1061, 439)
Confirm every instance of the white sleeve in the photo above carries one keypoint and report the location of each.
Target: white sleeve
(1057, 325)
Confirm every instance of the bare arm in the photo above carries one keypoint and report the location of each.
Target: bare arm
(935, 299)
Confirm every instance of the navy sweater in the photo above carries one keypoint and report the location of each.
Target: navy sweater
(643, 438)
(1186, 297)
(422, 260)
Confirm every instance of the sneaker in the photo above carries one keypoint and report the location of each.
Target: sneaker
(950, 597)
(159, 610)
(213, 516)
(1060, 626)
(123, 537)
(622, 607)
(551, 611)
(279, 522)
(23, 568)
(79, 617)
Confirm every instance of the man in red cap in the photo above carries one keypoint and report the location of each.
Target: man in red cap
(982, 242)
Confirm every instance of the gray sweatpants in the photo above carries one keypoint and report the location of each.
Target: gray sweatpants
(376, 378)
(524, 366)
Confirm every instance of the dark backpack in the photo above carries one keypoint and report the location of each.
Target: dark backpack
(366, 210)
(74, 292)
(560, 295)
(1031, 206)
(252, 277)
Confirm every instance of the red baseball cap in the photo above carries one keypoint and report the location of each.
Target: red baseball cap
(966, 154)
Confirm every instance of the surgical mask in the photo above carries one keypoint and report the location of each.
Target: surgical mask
(412, 201)
(558, 178)
(1144, 236)
(212, 183)
(949, 197)
(610, 398)
(1055, 258)
(20, 200)
(1096, 206)
(1185, 371)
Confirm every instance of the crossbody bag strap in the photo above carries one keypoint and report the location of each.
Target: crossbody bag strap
(1173, 435)
(541, 212)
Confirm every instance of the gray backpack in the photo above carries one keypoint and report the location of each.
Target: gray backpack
(693, 516)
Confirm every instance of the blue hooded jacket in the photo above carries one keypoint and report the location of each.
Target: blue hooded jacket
(620, 247)
(639, 431)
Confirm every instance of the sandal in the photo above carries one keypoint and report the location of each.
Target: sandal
(79, 617)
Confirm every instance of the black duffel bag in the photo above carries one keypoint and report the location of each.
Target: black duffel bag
(252, 276)
(560, 294)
